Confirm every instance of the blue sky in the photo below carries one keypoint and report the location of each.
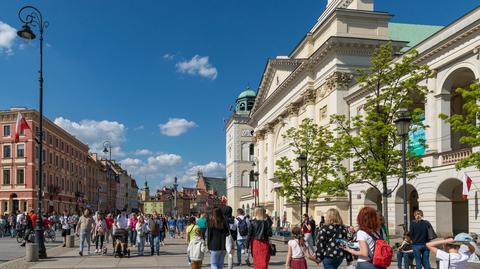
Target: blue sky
(157, 78)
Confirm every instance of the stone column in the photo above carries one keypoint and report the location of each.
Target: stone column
(292, 111)
(431, 116)
(260, 163)
(442, 131)
(271, 166)
(310, 98)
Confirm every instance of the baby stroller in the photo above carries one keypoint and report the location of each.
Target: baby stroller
(120, 246)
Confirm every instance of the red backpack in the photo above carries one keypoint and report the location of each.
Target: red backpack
(382, 252)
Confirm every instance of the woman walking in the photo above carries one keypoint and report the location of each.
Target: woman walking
(329, 251)
(100, 229)
(132, 223)
(140, 230)
(298, 250)
(259, 234)
(217, 233)
(369, 226)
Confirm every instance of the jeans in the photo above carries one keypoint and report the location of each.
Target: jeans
(309, 240)
(84, 235)
(422, 256)
(133, 236)
(365, 265)
(140, 244)
(155, 244)
(332, 263)
(99, 239)
(162, 236)
(216, 259)
(240, 246)
(406, 257)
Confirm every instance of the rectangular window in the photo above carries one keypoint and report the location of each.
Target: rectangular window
(56, 160)
(37, 151)
(20, 176)
(322, 113)
(6, 177)
(7, 153)
(6, 130)
(36, 178)
(20, 150)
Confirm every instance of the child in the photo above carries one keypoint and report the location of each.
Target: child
(297, 251)
(405, 251)
(196, 249)
(450, 257)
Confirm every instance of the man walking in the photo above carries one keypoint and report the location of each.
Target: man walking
(243, 225)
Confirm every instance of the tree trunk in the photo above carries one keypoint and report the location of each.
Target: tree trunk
(385, 203)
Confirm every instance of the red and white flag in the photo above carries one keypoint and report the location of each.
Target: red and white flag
(21, 126)
(467, 183)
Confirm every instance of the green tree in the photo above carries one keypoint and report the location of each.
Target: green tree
(324, 163)
(371, 137)
(467, 124)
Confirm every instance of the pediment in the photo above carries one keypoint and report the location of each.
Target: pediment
(276, 72)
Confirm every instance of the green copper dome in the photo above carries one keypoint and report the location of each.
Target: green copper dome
(247, 93)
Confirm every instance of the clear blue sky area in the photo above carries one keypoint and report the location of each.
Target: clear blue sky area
(133, 63)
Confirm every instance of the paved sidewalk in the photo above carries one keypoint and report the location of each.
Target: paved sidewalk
(173, 255)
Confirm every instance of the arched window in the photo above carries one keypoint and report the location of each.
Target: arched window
(242, 106)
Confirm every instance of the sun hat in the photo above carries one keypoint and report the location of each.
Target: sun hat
(462, 238)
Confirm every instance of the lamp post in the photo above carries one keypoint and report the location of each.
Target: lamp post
(30, 16)
(302, 162)
(255, 177)
(107, 148)
(403, 125)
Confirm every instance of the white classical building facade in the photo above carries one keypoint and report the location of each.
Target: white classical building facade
(316, 80)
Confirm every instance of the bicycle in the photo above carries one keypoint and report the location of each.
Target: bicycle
(50, 234)
(21, 235)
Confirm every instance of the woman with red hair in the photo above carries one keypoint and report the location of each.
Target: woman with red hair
(369, 230)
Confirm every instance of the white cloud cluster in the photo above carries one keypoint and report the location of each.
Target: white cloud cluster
(94, 133)
(7, 37)
(198, 65)
(142, 152)
(176, 126)
(168, 56)
(211, 169)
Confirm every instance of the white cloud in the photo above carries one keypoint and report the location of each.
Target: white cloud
(211, 169)
(7, 37)
(198, 66)
(138, 128)
(168, 56)
(143, 152)
(176, 126)
(94, 133)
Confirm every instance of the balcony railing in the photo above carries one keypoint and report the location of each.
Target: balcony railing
(451, 157)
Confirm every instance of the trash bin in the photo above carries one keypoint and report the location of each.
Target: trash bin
(32, 252)
(70, 241)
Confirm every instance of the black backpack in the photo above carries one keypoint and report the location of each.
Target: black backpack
(242, 226)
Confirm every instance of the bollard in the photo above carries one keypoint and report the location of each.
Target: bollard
(70, 241)
(32, 252)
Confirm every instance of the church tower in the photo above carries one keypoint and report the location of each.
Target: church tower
(145, 193)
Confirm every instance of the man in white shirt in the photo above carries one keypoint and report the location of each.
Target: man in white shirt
(242, 224)
(122, 220)
(65, 222)
(450, 257)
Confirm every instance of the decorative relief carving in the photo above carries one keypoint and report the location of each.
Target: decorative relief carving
(309, 97)
(292, 109)
(338, 80)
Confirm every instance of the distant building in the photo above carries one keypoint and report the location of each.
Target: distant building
(209, 193)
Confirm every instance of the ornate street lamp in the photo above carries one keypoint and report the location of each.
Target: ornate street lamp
(302, 163)
(107, 148)
(30, 16)
(403, 125)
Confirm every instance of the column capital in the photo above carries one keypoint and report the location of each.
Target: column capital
(309, 96)
(338, 80)
(292, 109)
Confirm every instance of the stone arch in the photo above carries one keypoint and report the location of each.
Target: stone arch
(279, 140)
(373, 198)
(459, 76)
(412, 205)
(452, 209)
(445, 83)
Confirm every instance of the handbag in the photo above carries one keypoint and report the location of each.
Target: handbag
(273, 249)
(431, 232)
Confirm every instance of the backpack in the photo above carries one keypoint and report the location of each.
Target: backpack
(382, 252)
(242, 226)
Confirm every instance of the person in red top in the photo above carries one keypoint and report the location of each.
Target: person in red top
(109, 222)
(307, 231)
(46, 223)
(33, 216)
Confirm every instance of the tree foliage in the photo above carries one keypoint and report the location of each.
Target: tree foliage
(371, 136)
(467, 123)
(324, 163)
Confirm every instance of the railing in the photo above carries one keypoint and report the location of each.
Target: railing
(452, 157)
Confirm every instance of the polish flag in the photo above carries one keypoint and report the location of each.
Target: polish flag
(20, 127)
(467, 183)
